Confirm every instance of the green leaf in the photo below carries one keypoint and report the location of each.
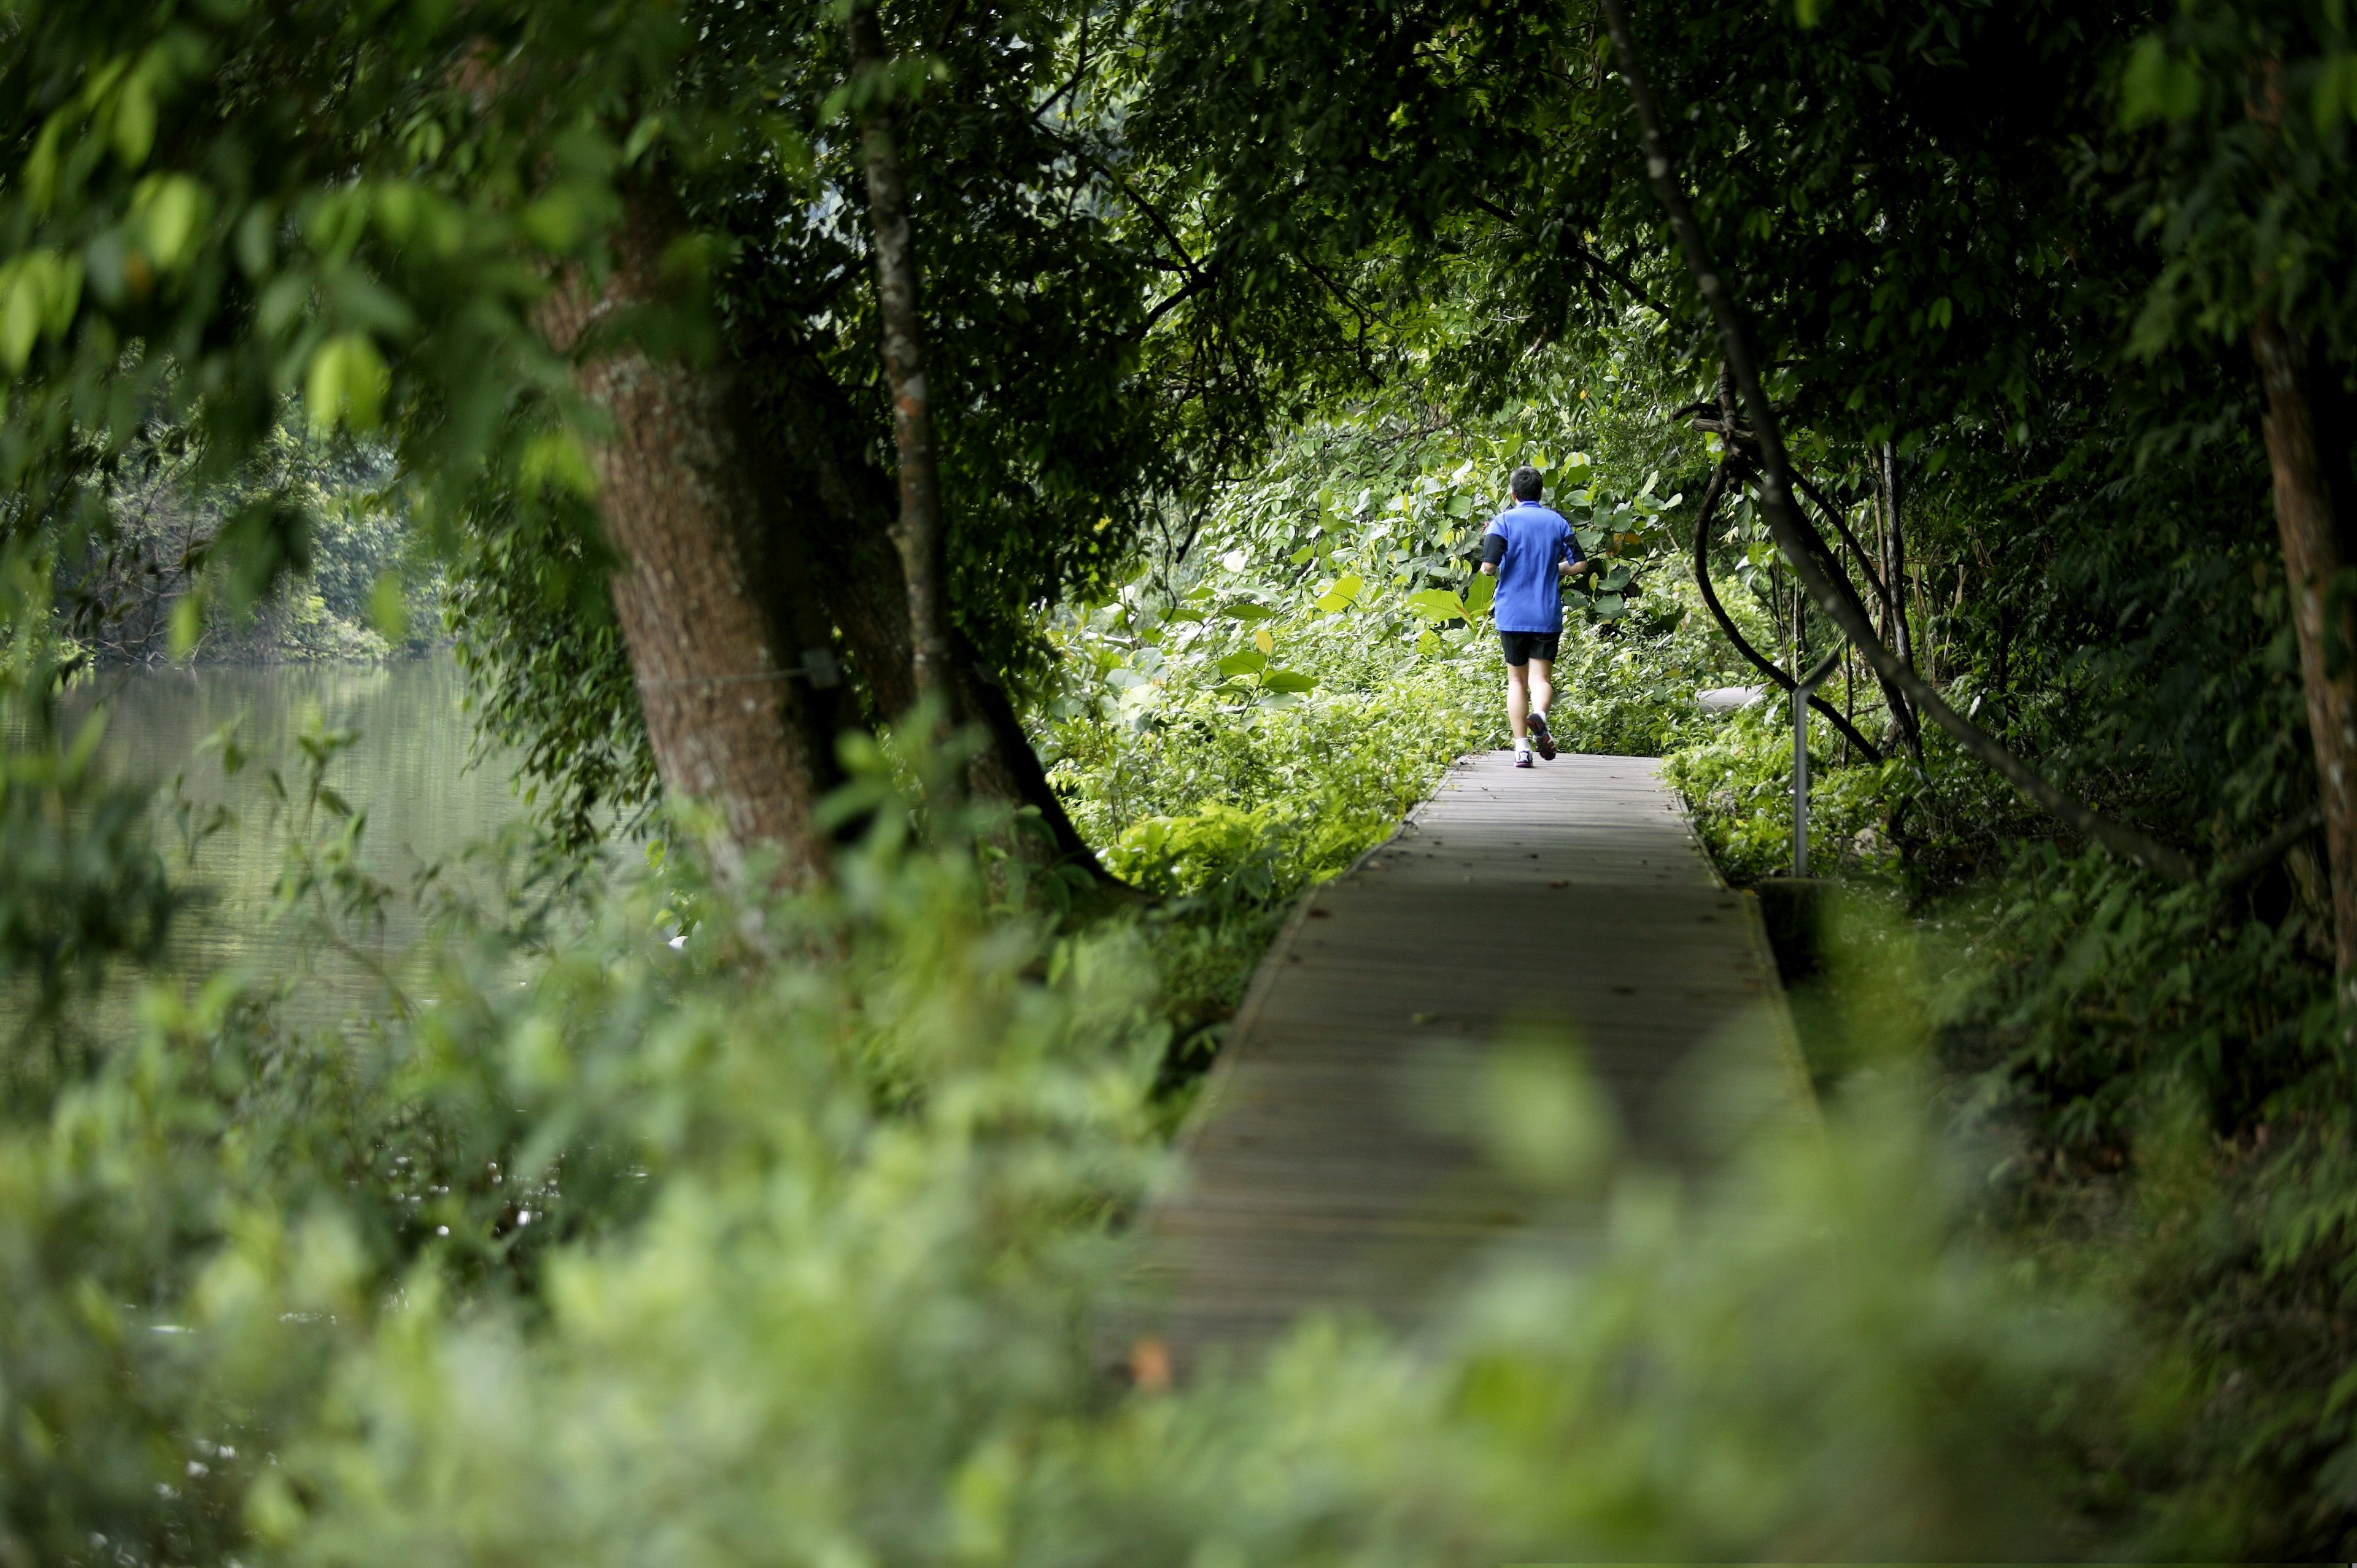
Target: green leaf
(345, 383)
(1478, 596)
(1608, 607)
(2158, 85)
(170, 209)
(2336, 89)
(188, 625)
(1344, 591)
(554, 460)
(135, 119)
(1247, 611)
(39, 292)
(41, 168)
(1437, 604)
(388, 607)
(558, 221)
(1247, 662)
(1288, 680)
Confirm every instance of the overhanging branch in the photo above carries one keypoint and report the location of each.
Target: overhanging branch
(1793, 534)
(1719, 478)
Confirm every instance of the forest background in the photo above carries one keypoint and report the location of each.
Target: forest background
(961, 513)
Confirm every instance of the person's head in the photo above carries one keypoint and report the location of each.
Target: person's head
(1525, 483)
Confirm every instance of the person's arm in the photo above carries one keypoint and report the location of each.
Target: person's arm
(1574, 563)
(1493, 550)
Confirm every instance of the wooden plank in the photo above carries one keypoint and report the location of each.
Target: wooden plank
(1334, 1163)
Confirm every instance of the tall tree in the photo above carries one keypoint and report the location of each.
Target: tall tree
(2245, 156)
(589, 266)
(713, 654)
(917, 531)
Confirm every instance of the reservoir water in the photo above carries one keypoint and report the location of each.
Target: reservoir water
(409, 771)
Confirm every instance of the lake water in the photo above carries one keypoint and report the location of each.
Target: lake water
(408, 771)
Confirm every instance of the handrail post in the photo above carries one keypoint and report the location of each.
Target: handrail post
(1800, 780)
(1802, 691)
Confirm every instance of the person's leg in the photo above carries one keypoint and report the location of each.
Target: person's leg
(1542, 690)
(1518, 701)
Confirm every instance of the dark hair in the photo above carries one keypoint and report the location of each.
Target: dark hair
(1527, 483)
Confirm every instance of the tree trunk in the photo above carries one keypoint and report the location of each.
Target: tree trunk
(2322, 619)
(860, 576)
(681, 505)
(1894, 557)
(917, 533)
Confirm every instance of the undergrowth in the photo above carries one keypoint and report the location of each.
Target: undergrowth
(773, 1228)
(647, 1216)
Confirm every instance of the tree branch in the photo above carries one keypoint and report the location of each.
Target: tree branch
(1766, 666)
(1505, 215)
(1893, 698)
(2231, 874)
(1743, 445)
(1841, 526)
(1793, 534)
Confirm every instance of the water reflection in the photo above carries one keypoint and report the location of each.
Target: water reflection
(408, 772)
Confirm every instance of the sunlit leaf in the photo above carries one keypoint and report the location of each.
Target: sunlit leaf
(170, 210)
(1479, 594)
(1437, 604)
(188, 625)
(39, 292)
(1345, 590)
(554, 460)
(345, 383)
(388, 607)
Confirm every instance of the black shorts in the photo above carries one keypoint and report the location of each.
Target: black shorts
(1522, 647)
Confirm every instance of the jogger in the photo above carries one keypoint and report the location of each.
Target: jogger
(1530, 549)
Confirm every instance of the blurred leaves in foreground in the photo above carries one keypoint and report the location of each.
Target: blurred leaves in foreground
(780, 1244)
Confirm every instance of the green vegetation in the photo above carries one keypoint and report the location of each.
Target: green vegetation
(963, 513)
(134, 585)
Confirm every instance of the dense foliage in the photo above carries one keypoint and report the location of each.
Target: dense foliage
(571, 1269)
(360, 588)
(655, 1209)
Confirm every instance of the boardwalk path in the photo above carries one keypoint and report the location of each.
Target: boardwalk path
(1330, 1165)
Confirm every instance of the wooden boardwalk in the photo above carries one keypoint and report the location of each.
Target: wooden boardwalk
(1333, 1165)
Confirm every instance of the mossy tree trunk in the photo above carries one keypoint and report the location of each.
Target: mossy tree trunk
(715, 659)
(2323, 617)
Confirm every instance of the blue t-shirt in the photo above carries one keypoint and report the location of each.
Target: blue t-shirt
(1530, 593)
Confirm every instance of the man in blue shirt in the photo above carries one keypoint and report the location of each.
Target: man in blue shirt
(1530, 549)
